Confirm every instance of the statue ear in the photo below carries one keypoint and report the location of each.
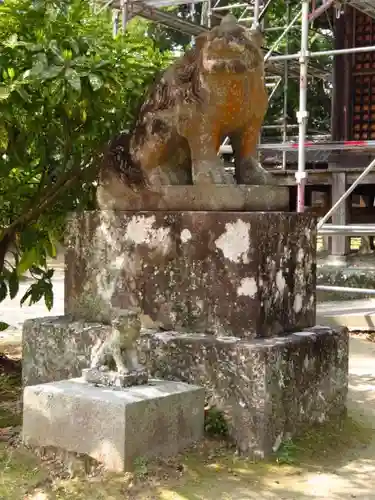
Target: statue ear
(200, 40)
(256, 36)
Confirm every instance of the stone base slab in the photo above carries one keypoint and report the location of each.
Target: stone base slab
(112, 378)
(196, 198)
(113, 426)
(268, 388)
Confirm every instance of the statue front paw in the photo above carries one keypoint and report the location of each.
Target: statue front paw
(102, 368)
(122, 370)
(251, 172)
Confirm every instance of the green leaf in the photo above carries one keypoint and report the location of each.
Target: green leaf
(48, 298)
(96, 81)
(51, 72)
(22, 92)
(3, 290)
(73, 79)
(35, 70)
(49, 273)
(12, 41)
(4, 92)
(51, 248)
(13, 284)
(27, 260)
(3, 138)
(3, 326)
(56, 92)
(27, 295)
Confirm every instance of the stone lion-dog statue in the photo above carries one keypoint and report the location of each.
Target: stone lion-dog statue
(114, 360)
(216, 89)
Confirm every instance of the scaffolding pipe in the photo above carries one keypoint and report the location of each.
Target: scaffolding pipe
(264, 10)
(105, 6)
(285, 32)
(337, 52)
(324, 219)
(124, 14)
(115, 20)
(320, 10)
(302, 114)
(228, 7)
(278, 127)
(275, 87)
(286, 75)
(209, 13)
(256, 13)
(345, 289)
(348, 230)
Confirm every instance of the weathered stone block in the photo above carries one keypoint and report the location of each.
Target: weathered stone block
(226, 273)
(200, 197)
(267, 388)
(57, 348)
(113, 426)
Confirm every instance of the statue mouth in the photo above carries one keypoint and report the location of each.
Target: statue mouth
(226, 50)
(226, 64)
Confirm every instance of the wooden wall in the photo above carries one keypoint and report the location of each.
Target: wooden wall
(353, 100)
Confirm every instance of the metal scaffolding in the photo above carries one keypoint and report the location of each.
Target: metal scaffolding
(286, 65)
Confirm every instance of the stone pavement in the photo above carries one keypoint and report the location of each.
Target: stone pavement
(354, 314)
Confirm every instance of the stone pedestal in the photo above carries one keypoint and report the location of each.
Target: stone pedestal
(234, 292)
(115, 427)
(267, 388)
(227, 273)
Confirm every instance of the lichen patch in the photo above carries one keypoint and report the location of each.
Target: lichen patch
(140, 230)
(185, 235)
(235, 241)
(248, 287)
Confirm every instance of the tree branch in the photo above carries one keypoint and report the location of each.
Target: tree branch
(34, 211)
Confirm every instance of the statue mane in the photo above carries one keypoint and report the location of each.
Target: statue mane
(180, 83)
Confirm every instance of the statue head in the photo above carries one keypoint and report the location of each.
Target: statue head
(127, 321)
(230, 48)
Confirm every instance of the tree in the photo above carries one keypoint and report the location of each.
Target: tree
(66, 87)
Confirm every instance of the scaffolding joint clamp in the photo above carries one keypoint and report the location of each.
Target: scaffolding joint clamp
(304, 55)
(302, 115)
(300, 176)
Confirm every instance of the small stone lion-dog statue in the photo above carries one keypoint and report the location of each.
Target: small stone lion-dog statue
(118, 348)
(214, 90)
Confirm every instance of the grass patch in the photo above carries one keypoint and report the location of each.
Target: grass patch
(209, 471)
(215, 424)
(20, 473)
(325, 443)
